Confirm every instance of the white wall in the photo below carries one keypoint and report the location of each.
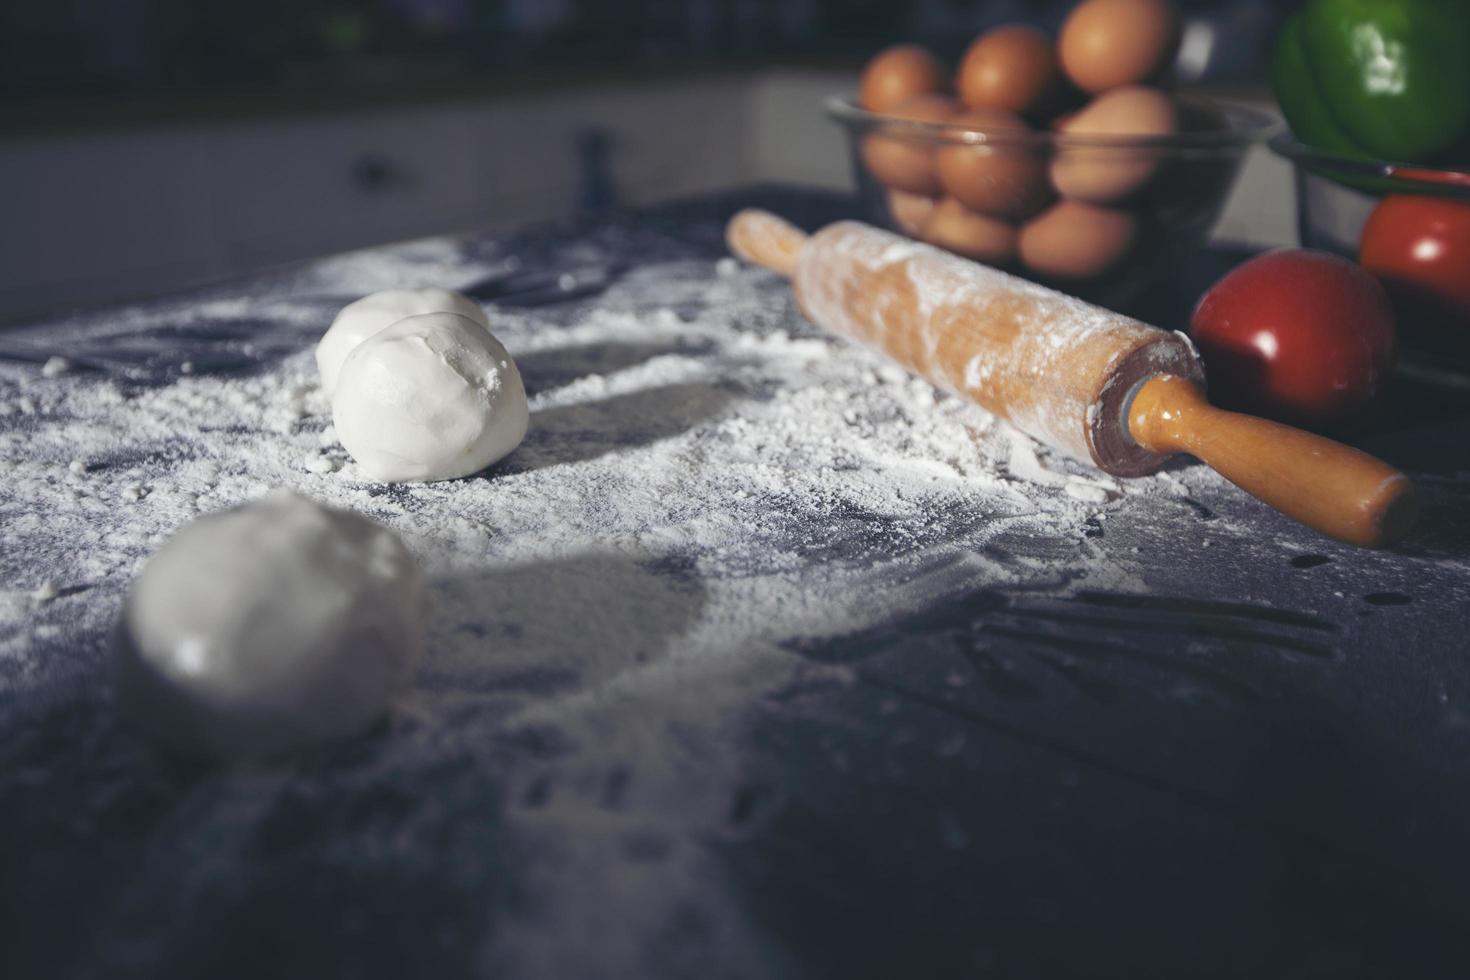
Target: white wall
(98, 218)
(101, 218)
(790, 137)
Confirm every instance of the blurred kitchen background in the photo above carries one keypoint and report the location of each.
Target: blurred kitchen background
(147, 145)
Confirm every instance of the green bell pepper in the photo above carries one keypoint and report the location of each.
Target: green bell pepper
(1383, 79)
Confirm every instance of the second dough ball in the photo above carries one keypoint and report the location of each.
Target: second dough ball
(432, 397)
(269, 627)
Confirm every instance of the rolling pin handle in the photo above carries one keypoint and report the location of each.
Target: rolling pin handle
(761, 237)
(1333, 488)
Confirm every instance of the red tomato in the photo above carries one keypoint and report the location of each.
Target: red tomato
(1296, 335)
(1419, 247)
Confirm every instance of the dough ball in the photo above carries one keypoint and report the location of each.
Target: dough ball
(269, 627)
(432, 397)
(360, 320)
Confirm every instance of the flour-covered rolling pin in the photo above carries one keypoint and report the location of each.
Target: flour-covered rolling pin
(1098, 385)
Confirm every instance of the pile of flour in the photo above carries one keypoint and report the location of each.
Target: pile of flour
(706, 480)
(716, 426)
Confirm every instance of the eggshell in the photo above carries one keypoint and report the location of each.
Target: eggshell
(908, 211)
(1012, 68)
(903, 162)
(955, 227)
(1003, 180)
(1106, 44)
(1107, 174)
(1075, 241)
(896, 75)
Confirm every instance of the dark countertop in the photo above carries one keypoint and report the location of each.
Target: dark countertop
(1258, 764)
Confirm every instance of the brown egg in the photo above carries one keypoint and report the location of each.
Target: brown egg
(1012, 68)
(1105, 174)
(908, 211)
(999, 179)
(896, 75)
(1074, 241)
(1106, 44)
(955, 227)
(905, 162)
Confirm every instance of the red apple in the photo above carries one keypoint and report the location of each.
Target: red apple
(1296, 335)
(1419, 247)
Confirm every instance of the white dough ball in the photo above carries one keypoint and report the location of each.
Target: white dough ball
(432, 397)
(268, 627)
(360, 320)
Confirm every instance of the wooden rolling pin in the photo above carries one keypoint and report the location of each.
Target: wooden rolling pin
(1101, 386)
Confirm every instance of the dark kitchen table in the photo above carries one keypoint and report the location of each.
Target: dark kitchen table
(1258, 765)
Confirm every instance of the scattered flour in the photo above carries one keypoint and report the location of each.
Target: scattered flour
(705, 481)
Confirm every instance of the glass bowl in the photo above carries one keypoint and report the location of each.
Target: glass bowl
(1102, 217)
(1334, 197)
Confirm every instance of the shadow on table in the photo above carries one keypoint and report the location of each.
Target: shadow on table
(1428, 437)
(545, 629)
(1443, 530)
(122, 861)
(586, 431)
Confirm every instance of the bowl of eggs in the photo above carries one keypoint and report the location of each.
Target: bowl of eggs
(1070, 161)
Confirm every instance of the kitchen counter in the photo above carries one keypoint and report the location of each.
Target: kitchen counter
(900, 722)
